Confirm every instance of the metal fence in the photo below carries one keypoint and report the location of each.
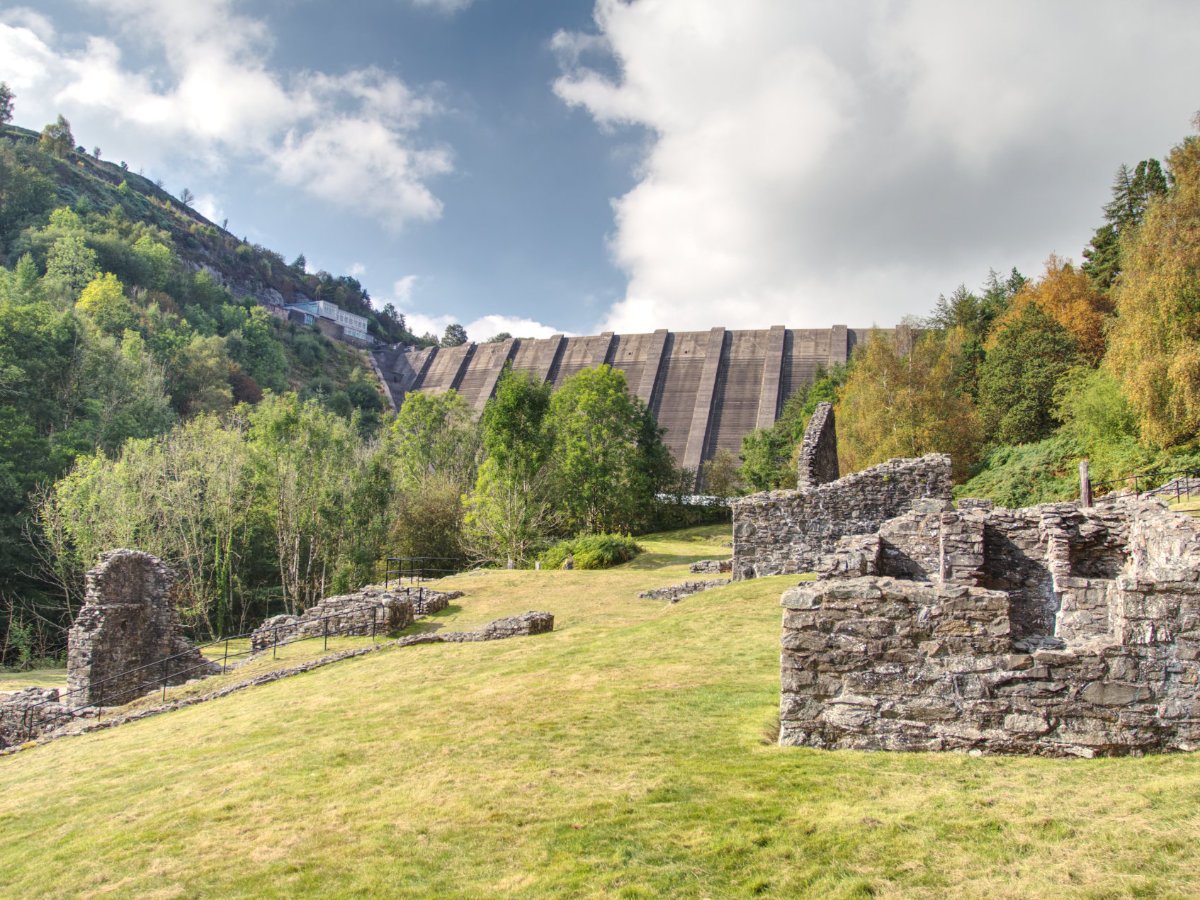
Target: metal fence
(1179, 485)
(415, 569)
(169, 670)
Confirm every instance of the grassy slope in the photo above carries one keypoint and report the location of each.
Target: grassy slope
(621, 755)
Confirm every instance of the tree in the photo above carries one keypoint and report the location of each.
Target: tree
(1155, 339)
(499, 338)
(434, 434)
(510, 512)
(105, 303)
(6, 104)
(455, 335)
(600, 453)
(1132, 193)
(1019, 379)
(70, 265)
(721, 475)
(896, 404)
(186, 197)
(1068, 296)
(56, 138)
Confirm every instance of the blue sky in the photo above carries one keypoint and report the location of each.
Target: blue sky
(537, 166)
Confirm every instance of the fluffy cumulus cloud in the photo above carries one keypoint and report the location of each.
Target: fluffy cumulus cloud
(818, 163)
(190, 79)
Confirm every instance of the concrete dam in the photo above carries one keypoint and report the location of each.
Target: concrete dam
(707, 389)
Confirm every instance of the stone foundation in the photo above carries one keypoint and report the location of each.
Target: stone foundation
(711, 567)
(128, 639)
(1052, 630)
(677, 592)
(27, 714)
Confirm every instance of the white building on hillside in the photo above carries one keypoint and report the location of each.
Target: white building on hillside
(354, 327)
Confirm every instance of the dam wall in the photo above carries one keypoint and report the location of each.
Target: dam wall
(708, 389)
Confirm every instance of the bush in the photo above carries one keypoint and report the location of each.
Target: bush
(592, 551)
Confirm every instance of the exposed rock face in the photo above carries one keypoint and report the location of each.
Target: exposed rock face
(818, 450)
(128, 639)
(788, 532)
(677, 592)
(1052, 630)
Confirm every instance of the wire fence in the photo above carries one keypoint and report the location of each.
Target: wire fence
(171, 671)
(415, 569)
(1179, 485)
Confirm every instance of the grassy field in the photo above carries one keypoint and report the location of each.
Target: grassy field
(626, 754)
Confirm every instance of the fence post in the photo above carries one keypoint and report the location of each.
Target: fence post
(1085, 484)
(100, 705)
(325, 629)
(163, 676)
(374, 618)
(225, 661)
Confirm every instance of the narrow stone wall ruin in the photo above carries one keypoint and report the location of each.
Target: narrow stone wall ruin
(128, 639)
(818, 462)
(1053, 630)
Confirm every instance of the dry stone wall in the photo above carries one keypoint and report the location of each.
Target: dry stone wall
(364, 612)
(788, 532)
(818, 463)
(1053, 630)
(128, 639)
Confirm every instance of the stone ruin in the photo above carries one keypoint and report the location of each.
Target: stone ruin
(1054, 630)
(676, 592)
(128, 638)
(787, 532)
(361, 613)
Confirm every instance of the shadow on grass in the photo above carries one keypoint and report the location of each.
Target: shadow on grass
(429, 624)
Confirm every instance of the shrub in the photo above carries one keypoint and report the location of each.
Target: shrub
(592, 551)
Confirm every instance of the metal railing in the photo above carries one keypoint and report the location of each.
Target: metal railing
(169, 674)
(1182, 484)
(416, 569)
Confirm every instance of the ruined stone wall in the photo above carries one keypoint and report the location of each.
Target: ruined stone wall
(1092, 647)
(128, 638)
(818, 462)
(788, 532)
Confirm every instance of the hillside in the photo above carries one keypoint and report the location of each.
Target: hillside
(627, 753)
(84, 181)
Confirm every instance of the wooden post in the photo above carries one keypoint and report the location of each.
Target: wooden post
(1085, 484)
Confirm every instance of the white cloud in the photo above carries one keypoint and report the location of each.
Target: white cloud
(356, 270)
(209, 207)
(479, 329)
(349, 139)
(820, 163)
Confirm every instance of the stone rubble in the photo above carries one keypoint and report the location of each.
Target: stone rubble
(676, 592)
(711, 567)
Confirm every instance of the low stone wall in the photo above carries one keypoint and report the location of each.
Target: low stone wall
(128, 638)
(1051, 630)
(677, 592)
(788, 532)
(880, 664)
(711, 567)
(26, 714)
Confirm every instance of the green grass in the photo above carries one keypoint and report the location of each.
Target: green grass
(15, 680)
(622, 755)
